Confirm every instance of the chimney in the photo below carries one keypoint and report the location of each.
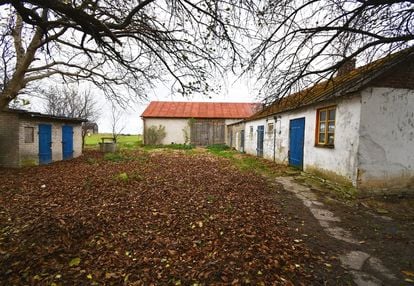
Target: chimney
(346, 67)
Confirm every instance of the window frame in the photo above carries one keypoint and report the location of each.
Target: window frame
(268, 129)
(326, 132)
(31, 135)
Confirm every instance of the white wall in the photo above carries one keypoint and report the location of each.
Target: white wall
(174, 128)
(386, 152)
(340, 160)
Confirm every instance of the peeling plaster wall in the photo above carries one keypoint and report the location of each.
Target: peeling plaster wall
(234, 136)
(386, 151)
(173, 128)
(340, 161)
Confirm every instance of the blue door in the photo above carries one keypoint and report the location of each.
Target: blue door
(260, 138)
(67, 142)
(242, 140)
(296, 142)
(45, 143)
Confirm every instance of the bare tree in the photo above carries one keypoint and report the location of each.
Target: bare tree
(305, 42)
(116, 122)
(118, 45)
(129, 45)
(70, 102)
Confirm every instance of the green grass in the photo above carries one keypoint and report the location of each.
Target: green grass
(246, 162)
(123, 141)
(170, 146)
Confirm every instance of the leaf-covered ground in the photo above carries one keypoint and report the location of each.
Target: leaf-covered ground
(160, 217)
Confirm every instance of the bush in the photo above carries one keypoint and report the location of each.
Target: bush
(154, 135)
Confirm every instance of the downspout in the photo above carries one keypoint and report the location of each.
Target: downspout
(274, 139)
(274, 136)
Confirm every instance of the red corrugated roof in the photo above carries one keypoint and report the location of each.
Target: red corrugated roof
(168, 109)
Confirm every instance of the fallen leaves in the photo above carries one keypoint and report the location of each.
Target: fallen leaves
(163, 218)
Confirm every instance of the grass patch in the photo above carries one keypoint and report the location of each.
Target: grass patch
(115, 157)
(248, 163)
(221, 150)
(170, 146)
(123, 141)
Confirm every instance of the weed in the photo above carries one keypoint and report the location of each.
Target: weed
(210, 199)
(114, 157)
(91, 161)
(123, 177)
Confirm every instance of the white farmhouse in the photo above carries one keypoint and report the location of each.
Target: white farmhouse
(357, 127)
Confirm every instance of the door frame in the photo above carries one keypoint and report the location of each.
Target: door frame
(67, 155)
(45, 130)
(301, 147)
(260, 140)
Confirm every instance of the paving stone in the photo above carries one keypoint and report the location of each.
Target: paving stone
(341, 234)
(364, 279)
(322, 214)
(377, 265)
(354, 260)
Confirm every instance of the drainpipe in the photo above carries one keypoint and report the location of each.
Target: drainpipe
(274, 139)
(274, 136)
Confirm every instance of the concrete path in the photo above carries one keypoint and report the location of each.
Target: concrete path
(366, 269)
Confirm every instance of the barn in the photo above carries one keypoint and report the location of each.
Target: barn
(197, 123)
(31, 138)
(356, 128)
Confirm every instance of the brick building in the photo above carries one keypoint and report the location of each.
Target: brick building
(31, 138)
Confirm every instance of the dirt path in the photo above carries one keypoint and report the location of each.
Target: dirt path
(360, 239)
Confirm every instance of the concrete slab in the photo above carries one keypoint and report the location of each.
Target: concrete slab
(322, 214)
(354, 260)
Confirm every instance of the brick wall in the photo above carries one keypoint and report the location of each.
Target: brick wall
(9, 148)
(401, 76)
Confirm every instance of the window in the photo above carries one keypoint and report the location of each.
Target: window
(270, 127)
(28, 135)
(325, 133)
(251, 131)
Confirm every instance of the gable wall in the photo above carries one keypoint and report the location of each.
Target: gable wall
(386, 152)
(234, 136)
(337, 163)
(401, 76)
(174, 129)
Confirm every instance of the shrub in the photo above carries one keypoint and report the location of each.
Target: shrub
(154, 135)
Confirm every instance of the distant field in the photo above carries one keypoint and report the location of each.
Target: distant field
(124, 141)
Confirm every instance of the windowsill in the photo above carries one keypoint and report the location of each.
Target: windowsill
(325, 146)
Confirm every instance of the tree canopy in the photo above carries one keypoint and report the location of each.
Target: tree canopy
(127, 46)
(304, 42)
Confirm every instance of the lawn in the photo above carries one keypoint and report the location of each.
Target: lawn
(124, 141)
(140, 217)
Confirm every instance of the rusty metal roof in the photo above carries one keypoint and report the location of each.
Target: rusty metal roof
(348, 83)
(230, 110)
